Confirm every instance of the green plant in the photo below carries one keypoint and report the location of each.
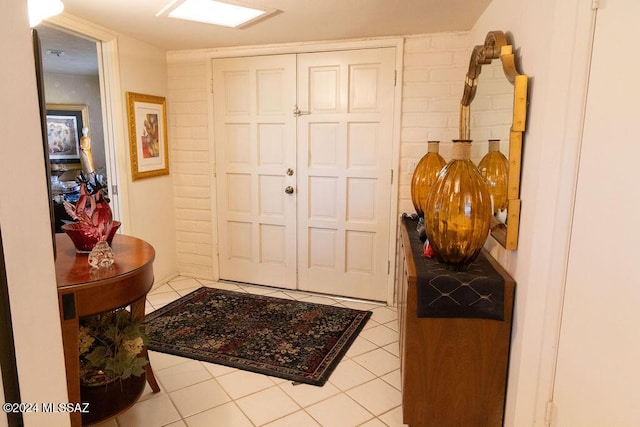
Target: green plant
(109, 346)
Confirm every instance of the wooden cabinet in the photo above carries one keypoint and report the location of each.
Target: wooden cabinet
(454, 370)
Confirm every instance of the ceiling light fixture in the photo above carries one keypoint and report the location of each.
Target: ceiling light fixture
(40, 10)
(216, 12)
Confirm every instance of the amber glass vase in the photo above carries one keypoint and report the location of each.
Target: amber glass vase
(457, 214)
(425, 175)
(494, 168)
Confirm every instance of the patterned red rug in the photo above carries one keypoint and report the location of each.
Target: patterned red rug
(289, 339)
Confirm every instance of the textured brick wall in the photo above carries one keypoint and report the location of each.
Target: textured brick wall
(434, 69)
(191, 167)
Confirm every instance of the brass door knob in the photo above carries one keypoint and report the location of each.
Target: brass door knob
(289, 190)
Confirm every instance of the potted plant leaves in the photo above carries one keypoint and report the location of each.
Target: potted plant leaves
(110, 345)
(112, 363)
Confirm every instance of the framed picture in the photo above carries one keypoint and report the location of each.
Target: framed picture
(147, 119)
(64, 129)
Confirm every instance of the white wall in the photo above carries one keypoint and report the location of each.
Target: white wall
(26, 230)
(599, 346)
(150, 201)
(552, 40)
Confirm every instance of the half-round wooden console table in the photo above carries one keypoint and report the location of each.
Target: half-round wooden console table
(84, 292)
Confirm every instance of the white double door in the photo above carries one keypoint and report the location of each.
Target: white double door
(303, 153)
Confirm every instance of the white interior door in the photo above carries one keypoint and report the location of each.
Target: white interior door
(597, 372)
(255, 147)
(344, 179)
(330, 232)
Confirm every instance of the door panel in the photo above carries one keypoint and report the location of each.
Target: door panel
(255, 145)
(344, 161)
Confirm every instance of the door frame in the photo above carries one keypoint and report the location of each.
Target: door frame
(299, 48)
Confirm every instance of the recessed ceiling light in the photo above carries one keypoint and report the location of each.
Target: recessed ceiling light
(216, 12)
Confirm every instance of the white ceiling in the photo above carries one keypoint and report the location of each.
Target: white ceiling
(296, 21)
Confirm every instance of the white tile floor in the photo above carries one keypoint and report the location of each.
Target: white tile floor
(364, 390)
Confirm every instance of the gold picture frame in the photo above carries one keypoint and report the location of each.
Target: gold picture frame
(148, 142)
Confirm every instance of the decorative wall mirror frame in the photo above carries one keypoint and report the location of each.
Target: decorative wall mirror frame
(495, 47)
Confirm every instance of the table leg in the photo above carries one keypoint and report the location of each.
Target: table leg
(151, 378)
(70, 332)
(137, 311)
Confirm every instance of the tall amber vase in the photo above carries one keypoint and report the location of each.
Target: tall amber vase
(457, 214)
(494, 168)
(425, 175)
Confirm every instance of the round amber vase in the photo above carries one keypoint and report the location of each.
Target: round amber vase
(494, 169)
(457, 213)
(425, 175)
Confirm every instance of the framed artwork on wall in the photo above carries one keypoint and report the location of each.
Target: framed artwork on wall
(64, 129)
(148, 145)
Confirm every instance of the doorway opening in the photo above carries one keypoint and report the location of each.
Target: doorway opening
(74, 94)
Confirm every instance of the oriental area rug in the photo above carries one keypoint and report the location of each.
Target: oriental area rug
(295, 340)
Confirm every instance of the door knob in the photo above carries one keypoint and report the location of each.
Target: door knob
(289, 190)
(289, 171)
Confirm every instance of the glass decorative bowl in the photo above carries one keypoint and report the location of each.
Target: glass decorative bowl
(83, 242)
